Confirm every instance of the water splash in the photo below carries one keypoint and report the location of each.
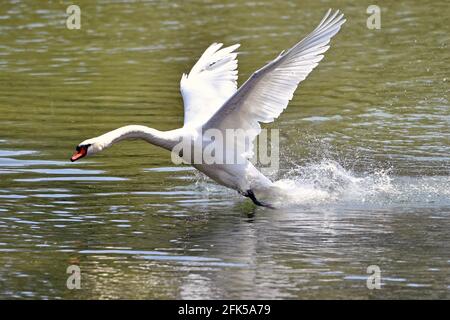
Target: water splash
(327, 181)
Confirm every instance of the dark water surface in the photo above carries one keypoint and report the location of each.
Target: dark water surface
(365, 149)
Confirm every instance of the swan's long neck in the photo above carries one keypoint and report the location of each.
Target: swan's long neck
(164, 139)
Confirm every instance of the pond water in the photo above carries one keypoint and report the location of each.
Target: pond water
(364, 144)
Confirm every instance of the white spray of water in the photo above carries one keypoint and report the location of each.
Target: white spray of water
(327, 181)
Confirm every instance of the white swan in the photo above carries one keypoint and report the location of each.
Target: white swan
(212, 101)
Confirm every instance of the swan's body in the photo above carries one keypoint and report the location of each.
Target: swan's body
(212, 101)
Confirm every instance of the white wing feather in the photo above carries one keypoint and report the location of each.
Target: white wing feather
(268, 91)
(209, 84)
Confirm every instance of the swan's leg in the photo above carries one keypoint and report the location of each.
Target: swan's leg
(251, 195)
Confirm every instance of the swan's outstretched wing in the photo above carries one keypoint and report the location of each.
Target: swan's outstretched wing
(267, 92)
(209, 84)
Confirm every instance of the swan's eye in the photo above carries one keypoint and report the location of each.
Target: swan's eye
(84, 146)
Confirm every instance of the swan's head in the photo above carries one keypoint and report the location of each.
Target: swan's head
(86, 148)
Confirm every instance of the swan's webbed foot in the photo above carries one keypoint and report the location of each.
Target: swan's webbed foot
(249, 194)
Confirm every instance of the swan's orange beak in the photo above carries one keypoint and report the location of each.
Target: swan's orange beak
(80, 153)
